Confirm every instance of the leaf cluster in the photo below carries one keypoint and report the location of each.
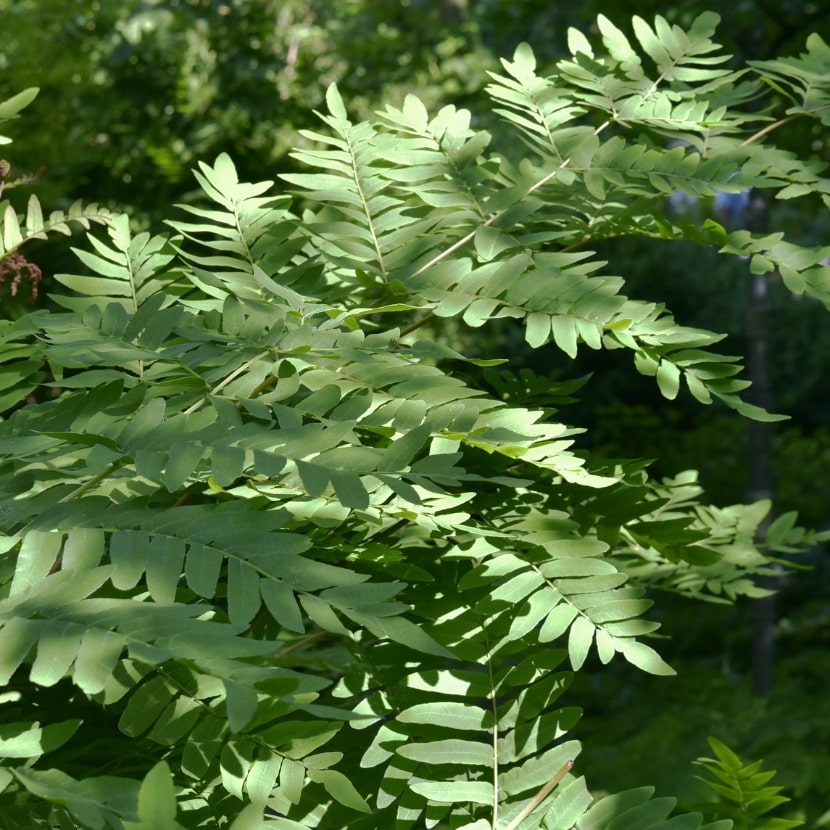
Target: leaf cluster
(742, 790)
(317, 575)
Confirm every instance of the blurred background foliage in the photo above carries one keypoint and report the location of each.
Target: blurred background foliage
(134, 92)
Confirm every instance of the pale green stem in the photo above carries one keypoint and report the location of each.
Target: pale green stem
(540, 796)
(88, 485)
(229, 379)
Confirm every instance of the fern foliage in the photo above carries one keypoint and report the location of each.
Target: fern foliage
(16, 229)
(22, 369)
(307, 572)
(742, 791)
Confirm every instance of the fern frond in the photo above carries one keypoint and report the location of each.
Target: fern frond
(233, 239)
(479, 719)
(742, 791)
(803, 79)
(14, 232)
(21, 363)
(634, 809)
(445, 172)
(538, 107)
(127, 274)
(369, 233)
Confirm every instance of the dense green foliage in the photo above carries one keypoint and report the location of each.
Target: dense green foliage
(274, 543)
(134, 93)
(168, 82)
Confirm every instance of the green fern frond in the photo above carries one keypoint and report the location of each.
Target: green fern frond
(538, 107)
(803, 79)
(743, 796)
(368, 231)
(230, 239)
(127, 274)
(21, 363)
(635, 809)
(489, 717)
(14, 232)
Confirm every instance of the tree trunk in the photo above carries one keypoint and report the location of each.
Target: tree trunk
(760, 474)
